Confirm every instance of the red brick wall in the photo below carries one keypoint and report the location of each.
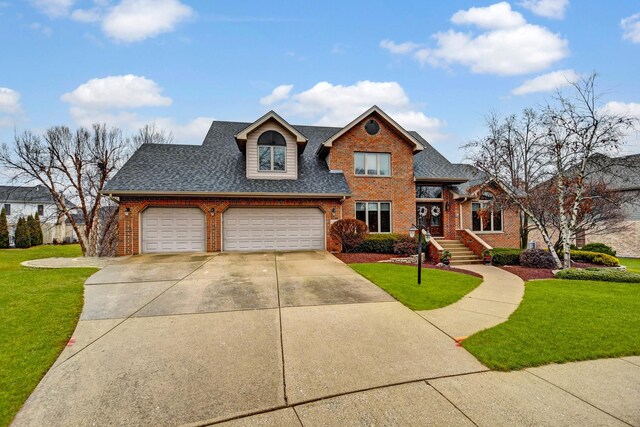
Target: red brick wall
(399, 188)
(129, 230)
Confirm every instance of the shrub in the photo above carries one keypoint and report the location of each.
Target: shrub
(378, 243)
(35, 232)
(22, 236)
(406, 245)
(506, 256)
(595, 258)
(600, 248)
(537, 258)
(4, 230)
(37, 227)
(350, 232)
(600, 274)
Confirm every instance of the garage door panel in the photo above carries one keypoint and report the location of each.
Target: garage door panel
(273, 229)
(173, 230)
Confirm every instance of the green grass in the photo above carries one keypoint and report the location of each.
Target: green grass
(632, 264)
(39, 310)
(439, 288)
(561, 321)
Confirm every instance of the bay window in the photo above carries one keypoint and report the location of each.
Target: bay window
(377, 215)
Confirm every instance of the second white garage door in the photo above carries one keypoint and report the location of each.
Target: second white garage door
(255, 229)
(173, 230)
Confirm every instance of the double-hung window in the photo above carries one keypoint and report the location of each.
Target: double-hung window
(372, 164)
(7, 209)
(486, 215)
(40, 210)
(377, 215)
(272, 152)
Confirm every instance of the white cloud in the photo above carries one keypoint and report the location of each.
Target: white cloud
(632, 109)
(553, 9)
(54, 8)
(399, 48)
(278, 94)
(135, 20)
(547, 82)
(509, 46)
(127, 91)
(87, 15)
(631, 28)
(116, 101)
(496, 16)
(9, 101)
(10, 108)
(326, 104)
(44, 29)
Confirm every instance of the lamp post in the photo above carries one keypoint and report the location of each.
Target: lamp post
(422, 231)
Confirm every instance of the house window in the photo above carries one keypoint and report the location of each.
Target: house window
(428, 192)
(373, 164)
(7, 209)
(486, 215)
(40, 210)
(272, 152)
(377, 215)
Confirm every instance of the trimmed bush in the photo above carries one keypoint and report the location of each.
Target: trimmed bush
(406, 245)
(594, 258)
(22, 237)
(506, 256)
(601, 248)
(599, 274)
(378, 243)
(4, 230)
(37, 228)
(349, 232)
(537, 258)
(34, 230)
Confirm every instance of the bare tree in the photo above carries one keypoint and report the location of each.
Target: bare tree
(544, 162)
(150, 134)
(74, 166)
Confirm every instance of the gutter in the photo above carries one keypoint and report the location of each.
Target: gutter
(112, 193)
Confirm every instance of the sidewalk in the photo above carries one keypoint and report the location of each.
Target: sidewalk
(598, 392)
(488, 305)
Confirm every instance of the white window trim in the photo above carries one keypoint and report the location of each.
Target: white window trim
(377, 174)
(271, 150)
(490, 230)
(366, 215)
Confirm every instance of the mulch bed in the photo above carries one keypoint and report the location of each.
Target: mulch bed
(526, 273)
(357, 258)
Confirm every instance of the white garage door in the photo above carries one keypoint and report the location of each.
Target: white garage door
(173, 230)
(254, 229)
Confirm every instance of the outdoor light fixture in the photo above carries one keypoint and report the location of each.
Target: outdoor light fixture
(127, 211)
(446, 206)
(213, 211)
(422, 230)
(333, 212)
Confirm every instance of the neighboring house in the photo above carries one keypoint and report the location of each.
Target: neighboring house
(269, 185)
(23, 201)
(623, 175)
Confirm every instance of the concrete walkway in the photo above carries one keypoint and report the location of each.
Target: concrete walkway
(488, 305)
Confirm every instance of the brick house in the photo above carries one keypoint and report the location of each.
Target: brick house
(269, 185)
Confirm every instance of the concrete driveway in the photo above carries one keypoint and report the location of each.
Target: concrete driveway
(195, 339)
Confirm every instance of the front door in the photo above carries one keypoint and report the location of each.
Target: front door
(430, 215)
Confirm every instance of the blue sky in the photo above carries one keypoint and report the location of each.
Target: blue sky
(437, 67)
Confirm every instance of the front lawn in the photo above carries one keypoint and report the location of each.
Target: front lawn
(632, 264)
(40, 309)
(561, 321)
(439, 288)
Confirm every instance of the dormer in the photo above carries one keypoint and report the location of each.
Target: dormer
(272, 148)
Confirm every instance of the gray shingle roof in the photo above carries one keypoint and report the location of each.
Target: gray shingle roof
(36, 194)
(218, 166)
(621, 173)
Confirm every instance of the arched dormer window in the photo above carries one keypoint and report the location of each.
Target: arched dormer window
(272, 152)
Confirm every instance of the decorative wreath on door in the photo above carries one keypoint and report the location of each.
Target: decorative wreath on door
(435, 210)
(422, 211)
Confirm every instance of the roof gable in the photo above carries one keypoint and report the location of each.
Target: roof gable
(242, 136)
(417, 146)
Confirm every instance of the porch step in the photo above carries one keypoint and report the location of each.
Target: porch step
(460, 253)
